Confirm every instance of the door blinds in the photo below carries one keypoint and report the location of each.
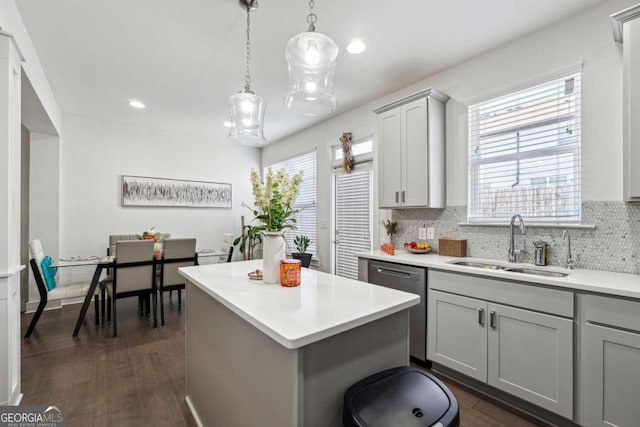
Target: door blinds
(306, 200)
(353, 219)
(524, 154)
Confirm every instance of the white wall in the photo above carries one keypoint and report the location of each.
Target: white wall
(44, 200)
(96, 153)
(586, 38)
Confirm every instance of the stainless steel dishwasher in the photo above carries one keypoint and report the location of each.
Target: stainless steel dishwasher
(408, 279)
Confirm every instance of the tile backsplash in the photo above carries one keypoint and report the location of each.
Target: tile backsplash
(614, 245)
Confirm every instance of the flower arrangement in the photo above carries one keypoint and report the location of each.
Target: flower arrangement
(274, 198)
(150, 234)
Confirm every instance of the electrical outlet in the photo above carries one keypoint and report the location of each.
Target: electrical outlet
(422, 233)
(431, 233)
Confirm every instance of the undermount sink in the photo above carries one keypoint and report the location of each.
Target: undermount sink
(485, 265)
(537, 272)
(521, 270)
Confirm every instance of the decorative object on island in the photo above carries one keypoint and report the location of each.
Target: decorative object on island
(290, 273)
(347, 158)
(302, 243)
(250, 238)
(311, 57)
(273, 207)
(147, 191)
(451, 246)
(246, 109)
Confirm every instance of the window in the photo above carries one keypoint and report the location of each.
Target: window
(524, 154)
(358, 147)
(306, 200)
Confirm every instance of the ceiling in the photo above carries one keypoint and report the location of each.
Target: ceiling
(184, 59)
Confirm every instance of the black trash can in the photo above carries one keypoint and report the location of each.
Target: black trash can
(400, 397)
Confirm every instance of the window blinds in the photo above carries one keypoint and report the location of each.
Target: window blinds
(353, 219)
(306, 200)
(524, 154)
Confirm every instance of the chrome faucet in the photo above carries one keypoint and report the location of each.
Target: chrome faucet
(570, 262)
(512, 251)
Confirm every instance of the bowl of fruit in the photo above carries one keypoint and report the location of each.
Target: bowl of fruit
(417, 247)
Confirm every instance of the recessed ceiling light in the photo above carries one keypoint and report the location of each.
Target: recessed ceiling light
(136, 104)
(356, 46)
(227, 124)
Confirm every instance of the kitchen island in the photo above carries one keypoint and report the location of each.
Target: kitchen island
(266, 355)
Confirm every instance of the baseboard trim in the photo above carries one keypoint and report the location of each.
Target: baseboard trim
(194, 412)
(55, 304)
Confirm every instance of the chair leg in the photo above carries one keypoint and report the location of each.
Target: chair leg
(161, 308)
(108, 308)
(115, 318)
(97, 309)
(35, 319)
(179, 297)
(141, 304)
(155, 309)
(103, 294)
(170, 295)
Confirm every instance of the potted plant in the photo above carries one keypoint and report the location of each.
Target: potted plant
(302, 243)
(392, 228)
(251, 237)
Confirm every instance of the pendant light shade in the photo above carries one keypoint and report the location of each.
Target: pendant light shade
(311, 57)
(246, 109)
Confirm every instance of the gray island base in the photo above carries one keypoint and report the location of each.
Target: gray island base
(265, 355)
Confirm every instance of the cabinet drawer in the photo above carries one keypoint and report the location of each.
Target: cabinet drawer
(613, 311)
(532, 297)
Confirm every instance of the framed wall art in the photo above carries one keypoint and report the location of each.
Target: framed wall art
(148, 191)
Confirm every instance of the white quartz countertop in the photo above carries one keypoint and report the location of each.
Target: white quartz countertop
(592, 281)
(322, 306)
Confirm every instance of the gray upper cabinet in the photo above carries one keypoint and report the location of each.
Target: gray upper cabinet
(411, 151)
(626, 28)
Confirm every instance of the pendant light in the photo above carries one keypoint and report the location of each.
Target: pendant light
(246, 109)
(311, 57)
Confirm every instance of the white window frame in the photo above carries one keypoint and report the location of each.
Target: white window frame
(475, 160)
(290, 234)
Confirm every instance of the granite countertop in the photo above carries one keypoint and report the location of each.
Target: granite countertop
(593, 281)
(322, 306)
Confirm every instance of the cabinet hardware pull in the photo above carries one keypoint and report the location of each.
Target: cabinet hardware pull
(402, 196)
(394, 273)
(397, 197)
(492, 319)
(481, 316)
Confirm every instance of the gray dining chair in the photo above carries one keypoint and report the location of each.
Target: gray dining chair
(133, 275)
(176, 253)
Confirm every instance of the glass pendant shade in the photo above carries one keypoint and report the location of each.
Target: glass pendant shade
(311, 57)
(246, 111)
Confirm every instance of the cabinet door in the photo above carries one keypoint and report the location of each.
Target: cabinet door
(612, 372)
(632, 109)
(457, 334)
(389, 159)
(531, 356)
(415, 155)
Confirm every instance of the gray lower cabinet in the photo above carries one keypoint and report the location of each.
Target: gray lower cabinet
(519, 350)
(612, 362)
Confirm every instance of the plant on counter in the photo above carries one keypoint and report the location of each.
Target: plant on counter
(274, 198)
(302, 244)
(392, 228)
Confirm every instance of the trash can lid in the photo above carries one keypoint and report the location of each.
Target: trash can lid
(403, 397)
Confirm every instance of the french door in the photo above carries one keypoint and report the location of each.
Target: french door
(353, 213)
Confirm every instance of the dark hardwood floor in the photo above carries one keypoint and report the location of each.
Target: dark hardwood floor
(137, 379)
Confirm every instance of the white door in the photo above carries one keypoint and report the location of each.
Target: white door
(353, 213)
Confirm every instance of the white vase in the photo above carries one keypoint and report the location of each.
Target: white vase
(273, 251)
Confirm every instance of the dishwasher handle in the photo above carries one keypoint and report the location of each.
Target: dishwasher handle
(395, 273)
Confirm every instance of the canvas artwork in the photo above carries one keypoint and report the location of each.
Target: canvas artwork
(147, 191)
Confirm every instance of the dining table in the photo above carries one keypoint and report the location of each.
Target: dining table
(102, 263)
